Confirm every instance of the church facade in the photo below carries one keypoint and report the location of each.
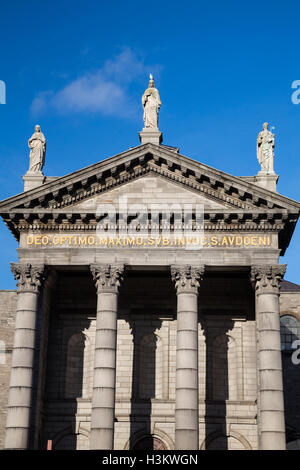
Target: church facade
(147, 310)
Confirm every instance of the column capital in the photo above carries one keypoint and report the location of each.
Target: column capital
(30, 277)
(107, 277)
(266, 278)
(187, 278)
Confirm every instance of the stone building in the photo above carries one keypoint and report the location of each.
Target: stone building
(147, 307)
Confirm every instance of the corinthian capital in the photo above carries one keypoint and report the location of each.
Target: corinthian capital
(187, 278)
(30, 277)
(107, 277)
(267, 278)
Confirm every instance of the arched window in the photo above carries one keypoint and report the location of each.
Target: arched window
(289, 331)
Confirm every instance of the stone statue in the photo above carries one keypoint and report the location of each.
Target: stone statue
(265, 150)
(37, 145)
(151, 103)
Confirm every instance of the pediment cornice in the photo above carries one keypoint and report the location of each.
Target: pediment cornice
(59, 199)
(134, 163)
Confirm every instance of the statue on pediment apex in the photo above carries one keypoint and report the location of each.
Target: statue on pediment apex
(151, 104)
(37, 145)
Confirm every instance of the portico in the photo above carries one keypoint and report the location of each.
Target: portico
(150, 362)
(148, 302)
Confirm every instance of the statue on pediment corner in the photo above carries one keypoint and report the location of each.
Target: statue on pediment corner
(37, 145)
(265, 150)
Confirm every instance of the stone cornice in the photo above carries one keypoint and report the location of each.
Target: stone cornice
(210, 226)
(190, 183)
(55, 205)
(72, 219)
(135, 163)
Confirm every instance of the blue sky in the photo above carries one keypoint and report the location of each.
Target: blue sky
(79, 69)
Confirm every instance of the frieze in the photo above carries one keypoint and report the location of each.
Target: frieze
(196, 241)
(261, 227)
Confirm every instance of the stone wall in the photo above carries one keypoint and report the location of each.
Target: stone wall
(152, 410)
(235, 415)
(8, 303)
(290, 305)
(147, 350)
(146, 363)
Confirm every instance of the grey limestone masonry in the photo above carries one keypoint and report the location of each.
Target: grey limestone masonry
(152, 345)
(290, 305)
(146, 362)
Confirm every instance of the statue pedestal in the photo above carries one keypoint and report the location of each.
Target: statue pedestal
(33, 180)
(150, 136)
(266, 180)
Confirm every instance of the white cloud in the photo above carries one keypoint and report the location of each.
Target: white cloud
(89, 93)
(104, 91)
(39, 104)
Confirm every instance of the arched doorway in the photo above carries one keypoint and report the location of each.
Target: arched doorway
(149, 443)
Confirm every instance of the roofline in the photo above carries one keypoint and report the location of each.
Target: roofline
(159, 151)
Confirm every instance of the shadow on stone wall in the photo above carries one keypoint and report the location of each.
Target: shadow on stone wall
(143, 382)
(68, 377)
(217, 385)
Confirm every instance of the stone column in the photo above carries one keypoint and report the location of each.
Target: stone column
(30, 278)
(266, 280)
(186, 280)
(107, 279)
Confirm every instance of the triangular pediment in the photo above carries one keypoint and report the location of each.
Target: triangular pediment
(137, 162)
(136, 170)
(150, 190)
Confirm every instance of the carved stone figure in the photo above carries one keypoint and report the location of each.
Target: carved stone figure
(151, 103)
(265, 149)
(37, 145)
